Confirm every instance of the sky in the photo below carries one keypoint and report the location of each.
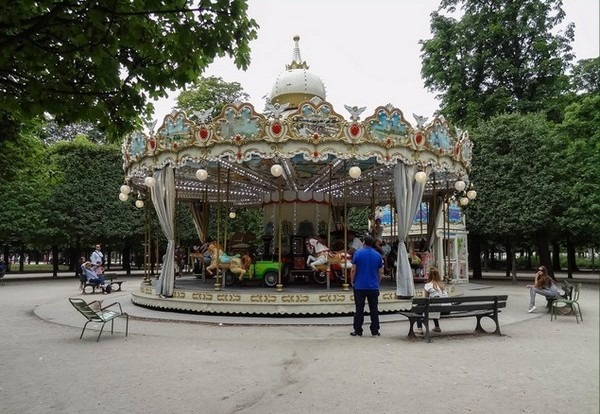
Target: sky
(367, 53)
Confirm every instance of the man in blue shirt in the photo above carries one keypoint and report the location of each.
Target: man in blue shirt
(365, 277)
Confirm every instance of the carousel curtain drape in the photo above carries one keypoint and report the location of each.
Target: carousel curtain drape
(408, 193)
(200, 212)
(163, 198)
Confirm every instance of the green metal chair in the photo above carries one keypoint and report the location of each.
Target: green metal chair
(94, 312)
(573, 302)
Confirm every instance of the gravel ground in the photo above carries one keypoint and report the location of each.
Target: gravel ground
(537, 366)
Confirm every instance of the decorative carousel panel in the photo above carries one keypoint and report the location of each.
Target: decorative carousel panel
(316, 122)
(175, 132)
(239, 123)
(438, 136)
(388, 127)
(135, 146)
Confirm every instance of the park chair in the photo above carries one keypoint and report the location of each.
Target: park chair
(95, 312)
(573, 303)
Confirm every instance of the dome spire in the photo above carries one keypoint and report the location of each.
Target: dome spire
(297, 62)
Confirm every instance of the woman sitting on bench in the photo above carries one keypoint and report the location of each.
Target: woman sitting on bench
(92, 277)
(434, 288)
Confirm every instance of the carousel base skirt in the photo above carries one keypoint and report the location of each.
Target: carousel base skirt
(293, 300)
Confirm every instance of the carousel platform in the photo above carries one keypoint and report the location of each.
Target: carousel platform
(194, 295)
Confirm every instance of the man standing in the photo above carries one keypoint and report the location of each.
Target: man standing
(97, 258)
(365, 277)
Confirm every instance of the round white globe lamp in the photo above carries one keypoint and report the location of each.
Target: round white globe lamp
(201, 174)
(459, 185)
(421, 177)
(464, 201)
(471, 194)
(125, 189)
(276, 170)
(232, 215)
(149, 181)
(123, 196)
(139, 203)
(355, 172)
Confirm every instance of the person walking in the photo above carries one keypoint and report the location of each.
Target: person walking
(365, 277)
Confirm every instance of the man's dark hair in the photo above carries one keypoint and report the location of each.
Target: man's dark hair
(369, 241)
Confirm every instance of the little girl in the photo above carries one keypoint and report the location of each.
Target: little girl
(434, 288)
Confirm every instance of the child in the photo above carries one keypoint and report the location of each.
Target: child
(434, 288)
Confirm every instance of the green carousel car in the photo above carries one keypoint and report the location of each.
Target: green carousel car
(267, 270)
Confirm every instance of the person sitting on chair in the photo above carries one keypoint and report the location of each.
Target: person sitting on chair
(543, 285)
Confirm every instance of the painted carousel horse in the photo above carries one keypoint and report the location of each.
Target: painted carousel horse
(319, 254)
(233, 263)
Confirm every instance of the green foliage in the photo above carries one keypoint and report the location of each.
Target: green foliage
(211, 92)
(513, 171)
(586, 76)
(499, 56)
(103, 61)
(83, 207)
(578, 163)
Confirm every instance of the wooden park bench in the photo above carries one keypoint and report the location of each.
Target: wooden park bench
(455, 307)
(109, 278)
(95, 312)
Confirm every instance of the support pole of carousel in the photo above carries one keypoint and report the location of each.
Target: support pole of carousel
(279, 285)
(226, 222)
(328, 279)
(147, 248)
(217, 284)
(345, 285)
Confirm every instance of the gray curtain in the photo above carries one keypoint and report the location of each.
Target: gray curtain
(408, 197)
(163, 198)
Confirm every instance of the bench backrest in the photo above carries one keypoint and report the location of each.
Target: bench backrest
(459, 303)
(83, 308)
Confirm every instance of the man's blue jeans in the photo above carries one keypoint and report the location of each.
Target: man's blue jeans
(372, 296)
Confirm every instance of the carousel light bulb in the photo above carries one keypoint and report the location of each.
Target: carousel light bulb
(421, 177)
(276, 170)
(355, 172)
(125, 189)
(460, 185)
(201, 174)
(471, 194)
(139, 203)
(464, 201)
(232, 215)
(149, 181)
(123, 197)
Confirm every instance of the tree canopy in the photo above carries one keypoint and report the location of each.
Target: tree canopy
(103, 62)
(497, 56)
(211, 93)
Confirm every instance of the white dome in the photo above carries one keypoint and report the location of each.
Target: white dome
(296, 84)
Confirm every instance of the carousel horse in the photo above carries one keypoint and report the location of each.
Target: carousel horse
(319, 254)
(233, 263)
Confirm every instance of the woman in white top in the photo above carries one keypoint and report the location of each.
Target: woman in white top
(434, 288)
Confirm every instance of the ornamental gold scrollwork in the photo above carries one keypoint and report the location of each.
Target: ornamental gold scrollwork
(202, 296)
(263, 298)
(178, 295)
(340, 297)
(146, 290)
(228, 297)
(388, 296)
(294, 298)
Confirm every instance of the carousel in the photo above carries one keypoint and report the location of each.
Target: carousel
(305, 165)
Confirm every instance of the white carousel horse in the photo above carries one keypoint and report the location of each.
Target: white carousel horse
(233, 263)
(319, 254)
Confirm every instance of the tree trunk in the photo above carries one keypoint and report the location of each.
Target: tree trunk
(571, 260)
(21, 258)
(509, 257)
(475, 256)
(127, 259)
(512, 258)
(556, 255)
(54, 260)
(544, 253)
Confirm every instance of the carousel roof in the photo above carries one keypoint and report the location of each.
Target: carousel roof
(315, 146)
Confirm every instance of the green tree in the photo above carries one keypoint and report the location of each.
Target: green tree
(586, 76)
(498, 56)
(103, 61)
(578, 162)
(514, 171)
(212, 92)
